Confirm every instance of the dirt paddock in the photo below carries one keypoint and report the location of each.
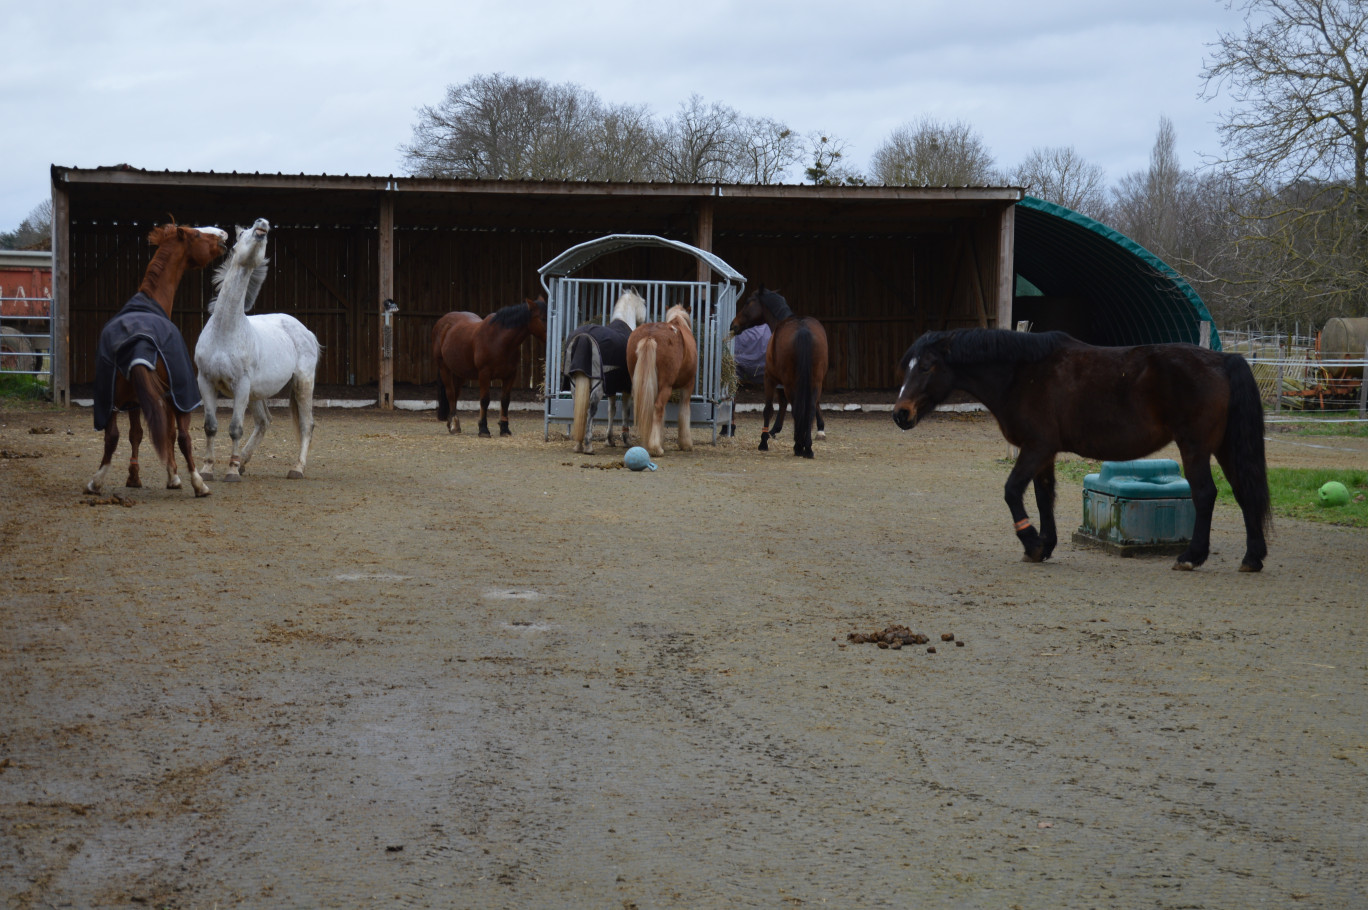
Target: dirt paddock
(459, 672)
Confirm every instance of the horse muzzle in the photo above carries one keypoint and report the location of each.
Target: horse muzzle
(904, 416)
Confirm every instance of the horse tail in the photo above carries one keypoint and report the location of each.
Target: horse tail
(801, 393)
(443, 406)
(581, 381)
(1244, 443)
(152, 394)
(645, 382)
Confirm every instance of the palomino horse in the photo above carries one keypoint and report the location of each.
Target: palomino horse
(1053, 393)
(596, 363)
(142, 363)
(467, 347)
(662, 357)
(795, 366)
(252, 358)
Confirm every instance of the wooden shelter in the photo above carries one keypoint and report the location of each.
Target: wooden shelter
(878, 265)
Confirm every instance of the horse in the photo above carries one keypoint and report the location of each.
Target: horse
(795, 366)
(252, 358)
(662, 357)
(1051, 392)
(596, 363)
(468, 347)
(142, 363)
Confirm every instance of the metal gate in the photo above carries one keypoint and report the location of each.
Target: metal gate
(26, 337)
(573, 302)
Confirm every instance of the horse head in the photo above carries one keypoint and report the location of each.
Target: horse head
(927, 379)
(536, 324)
(630, 308)
(202, 245)
(250, 249)
(762, 306)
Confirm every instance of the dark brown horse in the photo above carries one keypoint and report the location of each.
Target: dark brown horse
(468, 347)
(1053, 393)
(143, 365)
(795, 366)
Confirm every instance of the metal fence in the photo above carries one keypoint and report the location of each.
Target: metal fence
(26, 337)
(1296, 383)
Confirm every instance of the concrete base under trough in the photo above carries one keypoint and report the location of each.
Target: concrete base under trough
(1131, 549)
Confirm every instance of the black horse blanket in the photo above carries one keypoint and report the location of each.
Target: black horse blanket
(141, 332)
(599, 352)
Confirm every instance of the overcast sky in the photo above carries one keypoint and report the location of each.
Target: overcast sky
(333, 88)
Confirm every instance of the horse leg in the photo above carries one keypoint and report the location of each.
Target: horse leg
(241, 395)
(135, 435)
(261, 421)
(504, 399)
(779, 417)
(111, 442)
(821, 424)
(765, 434)
(1197, 469)
(181, 430)
(685, 421)
(301, 408)
(173, 418)
(453, 394)
(1028, 467)
(210, 396)
(625, 399)
(1256, 547)
(1045, 499)
(484, 408)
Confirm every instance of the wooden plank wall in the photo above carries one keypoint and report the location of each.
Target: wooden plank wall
(874, 294)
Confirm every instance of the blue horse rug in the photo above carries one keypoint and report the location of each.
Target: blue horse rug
(142, 333)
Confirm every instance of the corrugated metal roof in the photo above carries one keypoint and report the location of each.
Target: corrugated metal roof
(1133, 296)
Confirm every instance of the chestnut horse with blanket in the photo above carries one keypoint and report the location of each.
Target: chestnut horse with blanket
(142, 363)
(468, 347)
(795, 366)
(1053, 393)
(662, 357)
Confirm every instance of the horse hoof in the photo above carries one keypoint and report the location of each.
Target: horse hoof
(133, 482)
(821, 434)
(295, 475)
(484, 434)
(207, 476)
(454, 431)
(1181, 566)
(230, 477)
(1251, 567)
(200, 494)
(504, 430)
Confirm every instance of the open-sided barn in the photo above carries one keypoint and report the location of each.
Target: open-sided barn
(878, 265)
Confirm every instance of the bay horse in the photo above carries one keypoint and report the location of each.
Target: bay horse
(253, 358)
(1053, 393)
(468, 347)
(142, 364)
(795, 366)
(596, 364)
(662, 357)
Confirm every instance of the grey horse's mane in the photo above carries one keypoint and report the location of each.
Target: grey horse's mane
(253, 284)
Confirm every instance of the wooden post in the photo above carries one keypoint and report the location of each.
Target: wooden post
(386, 268)
(1204, 334)
(1363, 386)
(61, 297)
(703, 231)
(1006, 266)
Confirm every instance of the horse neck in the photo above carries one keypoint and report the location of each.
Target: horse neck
(990, 383)
(776, 313)
(230, 309)
(164, 273)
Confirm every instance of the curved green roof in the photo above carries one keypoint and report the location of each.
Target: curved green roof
(1130, 295)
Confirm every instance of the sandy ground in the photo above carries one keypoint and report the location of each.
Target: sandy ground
(453, 672)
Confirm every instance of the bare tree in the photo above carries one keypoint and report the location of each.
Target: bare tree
(1060, 175)
(699, 144)
(1147, 203)
(932, 153)
(1296, 137)
(33, 233)
(828, 168)
(766, 149)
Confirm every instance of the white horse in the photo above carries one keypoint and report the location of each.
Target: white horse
(596, 362)
(252, 358)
